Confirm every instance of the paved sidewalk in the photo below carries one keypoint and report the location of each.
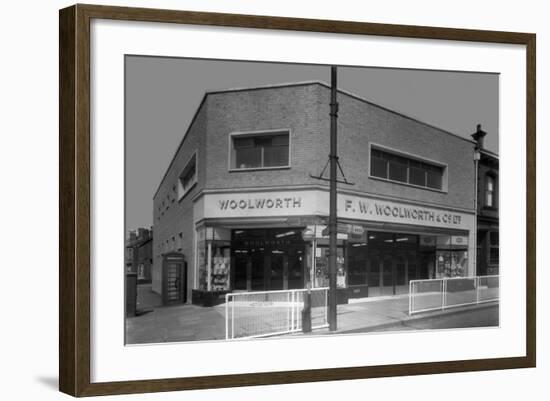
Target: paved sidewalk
(192, 322)
(387, 313)
(160, 323)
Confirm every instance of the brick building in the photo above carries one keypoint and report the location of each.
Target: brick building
(139, 254)
(239, 203)
(487, 208)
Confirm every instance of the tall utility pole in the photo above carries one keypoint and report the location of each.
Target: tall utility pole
(332, 219)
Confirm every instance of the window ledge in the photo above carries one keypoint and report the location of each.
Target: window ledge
(236, 170)
(441, 191)
(187, 191)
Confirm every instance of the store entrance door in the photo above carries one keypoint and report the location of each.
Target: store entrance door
(389, 271)
(268, 260)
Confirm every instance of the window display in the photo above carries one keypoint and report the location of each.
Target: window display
(321, 267)
(220, 265)
(451, 256)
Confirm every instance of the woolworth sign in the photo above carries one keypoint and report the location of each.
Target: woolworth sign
(316, 203)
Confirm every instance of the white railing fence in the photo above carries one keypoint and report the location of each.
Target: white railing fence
(440, 294)
(268, 313)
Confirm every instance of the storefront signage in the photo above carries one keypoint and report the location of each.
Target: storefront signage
(309, 207)
(258, 204)
(346, 229)
(261, 203)
(383, 209)
(308, 233)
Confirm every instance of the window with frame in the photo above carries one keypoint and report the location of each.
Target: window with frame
(490, 191)
(188, 177)
(394, 167)
(266, 150)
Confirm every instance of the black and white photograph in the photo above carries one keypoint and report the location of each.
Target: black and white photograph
(279, 200)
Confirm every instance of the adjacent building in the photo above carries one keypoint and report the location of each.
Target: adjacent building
(487, 208)
(139, 254)
(240, 202)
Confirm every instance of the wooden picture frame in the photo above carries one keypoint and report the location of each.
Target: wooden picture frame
(74, 199)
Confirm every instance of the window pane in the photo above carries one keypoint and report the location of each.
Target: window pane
(489, 192)
(378, 167)
(263, 141)
(398, 168)
(489, 184)
(280, 140)
(434, 177)
(417, 176)
(489, 199)
(189, 177)
(276, 156)
(245, 142)
(248, 157)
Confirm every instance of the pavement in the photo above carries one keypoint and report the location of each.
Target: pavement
(159, 324)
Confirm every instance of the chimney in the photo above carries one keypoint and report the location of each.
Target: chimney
(133, 236)
(478, 136)
(142, 234)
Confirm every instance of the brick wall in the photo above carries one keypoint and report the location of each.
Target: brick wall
(360, 123)
(294, 108)
(178, 217)
(305, 110)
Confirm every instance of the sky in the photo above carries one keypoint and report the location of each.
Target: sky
(163, 94)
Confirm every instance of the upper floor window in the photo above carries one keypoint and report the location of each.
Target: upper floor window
(490, 191)
(395, 167)
(265, 150)
(188, 176)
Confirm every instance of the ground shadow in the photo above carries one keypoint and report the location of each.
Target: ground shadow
(49, 381)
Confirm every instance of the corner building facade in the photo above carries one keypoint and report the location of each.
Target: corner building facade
(239, 202)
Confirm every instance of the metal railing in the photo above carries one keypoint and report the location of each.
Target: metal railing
(268, 313)
(444, 293)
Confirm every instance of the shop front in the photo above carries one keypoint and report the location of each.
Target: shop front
(382, 245)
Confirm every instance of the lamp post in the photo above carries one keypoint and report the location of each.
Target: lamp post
(477, 156)
(477, 136)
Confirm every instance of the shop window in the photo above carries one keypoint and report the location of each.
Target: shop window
(451, 256)
(188, 177)
(394, 167)
(260, 151)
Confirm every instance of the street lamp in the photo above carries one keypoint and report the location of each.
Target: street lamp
(478, 137)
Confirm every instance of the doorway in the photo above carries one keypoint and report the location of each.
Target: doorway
(267, 259)
(389, 272)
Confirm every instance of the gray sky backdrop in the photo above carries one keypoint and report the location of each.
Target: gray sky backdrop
(163, 94)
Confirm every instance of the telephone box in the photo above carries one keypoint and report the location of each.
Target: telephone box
(174, 278)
